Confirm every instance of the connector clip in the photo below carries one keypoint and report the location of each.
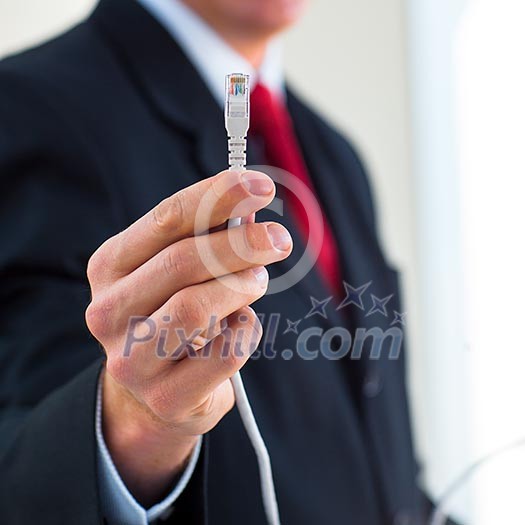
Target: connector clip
(237, 117)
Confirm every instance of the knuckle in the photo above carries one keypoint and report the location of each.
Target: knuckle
(253, 321)
(92, 318)
(94, 266)
(169, 214)
(191, 311)
(233, 353)
(251, 331)
(119, 368)
(253, 326)
(105, 258)
(256, 336)
(217, 186)
(205, 409)
(209, 414)
(175, 262)
(98, 316)
(91, 271)
(232, 358)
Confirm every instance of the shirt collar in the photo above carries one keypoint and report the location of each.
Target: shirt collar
(210, 54)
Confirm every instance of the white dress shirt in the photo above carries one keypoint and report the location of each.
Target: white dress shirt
(209, 53)
(213, 58)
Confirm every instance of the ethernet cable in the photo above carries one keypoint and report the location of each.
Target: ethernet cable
(237, 120)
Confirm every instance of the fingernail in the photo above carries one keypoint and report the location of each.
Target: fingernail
(280, 237)
(256, 183)
(261, 274)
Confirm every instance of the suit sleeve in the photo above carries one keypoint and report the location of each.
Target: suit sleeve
(53, 214)
(56, 208)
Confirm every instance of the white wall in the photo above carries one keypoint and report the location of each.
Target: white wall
(25, 22)
(349, 58)
(490, 80)
(443, 420)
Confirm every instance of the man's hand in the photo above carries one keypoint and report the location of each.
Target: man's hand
(186, 278)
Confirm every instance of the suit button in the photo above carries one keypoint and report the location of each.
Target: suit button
(165, 516)
(372, 386)
(403, 517)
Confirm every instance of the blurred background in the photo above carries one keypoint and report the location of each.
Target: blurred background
(432, 93)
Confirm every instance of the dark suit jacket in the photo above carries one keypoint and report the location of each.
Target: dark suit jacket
(96, 127)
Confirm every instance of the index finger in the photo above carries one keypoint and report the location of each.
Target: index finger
(223, 196)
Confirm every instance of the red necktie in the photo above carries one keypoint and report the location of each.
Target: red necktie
(269, 119)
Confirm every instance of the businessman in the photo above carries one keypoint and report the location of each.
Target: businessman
(112, 142)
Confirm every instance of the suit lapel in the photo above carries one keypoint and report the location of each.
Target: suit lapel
(362, 262)
(360, 255)
(165, 78)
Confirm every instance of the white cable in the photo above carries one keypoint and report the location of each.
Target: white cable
(237, 119)
(269, 496)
